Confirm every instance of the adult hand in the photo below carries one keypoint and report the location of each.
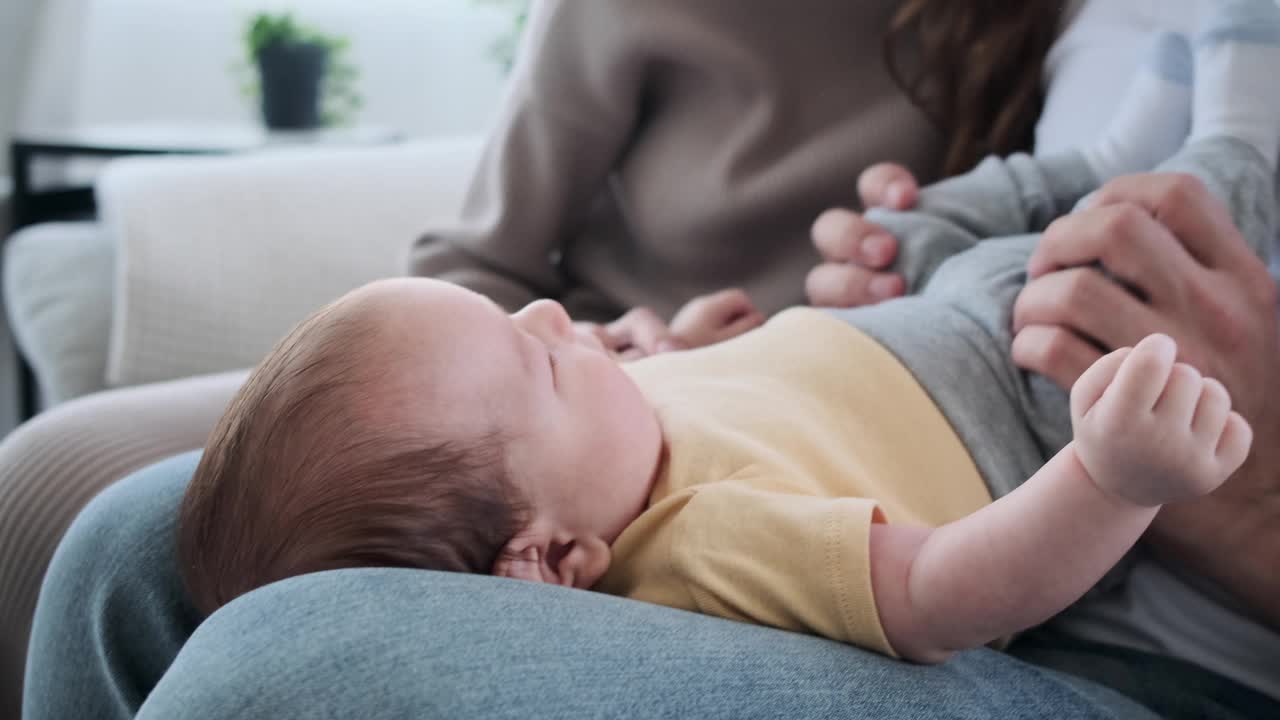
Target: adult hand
(1180, 267)
(855, 252)
(639, 333)
(715, 318)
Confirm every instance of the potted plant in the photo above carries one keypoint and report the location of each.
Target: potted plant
(503, 49)
(302, 77)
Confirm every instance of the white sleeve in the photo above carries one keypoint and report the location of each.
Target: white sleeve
(1089, 68)
(1091, 65)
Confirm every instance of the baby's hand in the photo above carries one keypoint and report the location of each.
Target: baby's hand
(1152, 430)
(715, 318)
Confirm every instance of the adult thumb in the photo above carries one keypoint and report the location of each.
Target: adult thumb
(888, 185)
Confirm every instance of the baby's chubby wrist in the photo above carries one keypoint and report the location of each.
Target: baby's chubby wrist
(1113, 488)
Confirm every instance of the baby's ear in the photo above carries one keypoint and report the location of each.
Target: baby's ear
(579, 563)
(521, 559)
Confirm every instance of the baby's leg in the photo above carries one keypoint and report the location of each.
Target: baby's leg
(1235, 134)
(1155, 117)
(998, 198)
(1148, 432)
(1010, 420)
(1229, 151)
(1021, 194)
(1237, 58)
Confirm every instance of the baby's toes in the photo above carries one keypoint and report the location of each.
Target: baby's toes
(1182, 393)
(1212, 408)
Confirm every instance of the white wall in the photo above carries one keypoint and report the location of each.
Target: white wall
(424, 64)
(16, 17)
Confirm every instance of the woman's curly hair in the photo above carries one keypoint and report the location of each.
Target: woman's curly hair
(974, 67)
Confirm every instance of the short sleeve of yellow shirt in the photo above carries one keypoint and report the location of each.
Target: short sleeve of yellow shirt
(779, 559)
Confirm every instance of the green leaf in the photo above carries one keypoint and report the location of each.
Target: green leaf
(339, 101)
(503, 49)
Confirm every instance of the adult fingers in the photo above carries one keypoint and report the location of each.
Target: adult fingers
(640, 329)
(610, 341)
(740, 325)
(1183, 204)
(842, 285)
(1086, 302)
(631, 353)
(888, 185)
(592, 334)
(728, 304)
(709, 312)
(1125, 239)
(1055, 352)
(845, 236)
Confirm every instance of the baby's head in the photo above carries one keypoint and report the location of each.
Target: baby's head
(413, 423)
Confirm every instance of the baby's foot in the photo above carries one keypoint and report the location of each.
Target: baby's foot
(1155, 117)
(1152, 430)
(1237, 57)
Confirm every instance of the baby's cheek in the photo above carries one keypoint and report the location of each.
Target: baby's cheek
(636, 405)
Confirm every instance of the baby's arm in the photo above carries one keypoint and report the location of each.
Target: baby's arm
(1147, 432)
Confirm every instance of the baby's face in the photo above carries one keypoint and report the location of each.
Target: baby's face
(580, 439)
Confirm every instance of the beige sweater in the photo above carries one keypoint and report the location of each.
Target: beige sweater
(653, 150)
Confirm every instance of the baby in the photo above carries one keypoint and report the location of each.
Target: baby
(877, 476)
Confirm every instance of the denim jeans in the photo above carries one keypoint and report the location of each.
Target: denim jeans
(115, 638)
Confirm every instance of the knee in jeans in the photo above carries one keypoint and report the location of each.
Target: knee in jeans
(130, 519)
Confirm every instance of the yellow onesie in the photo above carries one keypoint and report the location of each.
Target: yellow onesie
(782, 447)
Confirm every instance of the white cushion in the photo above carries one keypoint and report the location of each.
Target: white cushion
(57, 289)
(219, 257)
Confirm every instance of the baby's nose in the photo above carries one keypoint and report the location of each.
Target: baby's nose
(553, 317)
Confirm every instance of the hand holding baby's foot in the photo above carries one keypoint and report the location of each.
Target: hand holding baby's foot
(1152, 430)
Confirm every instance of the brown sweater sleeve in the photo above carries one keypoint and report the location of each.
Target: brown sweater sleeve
(570, 109)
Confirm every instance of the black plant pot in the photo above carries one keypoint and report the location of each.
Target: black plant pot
(291, 77)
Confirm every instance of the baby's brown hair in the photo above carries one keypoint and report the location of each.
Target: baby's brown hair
(306, 472)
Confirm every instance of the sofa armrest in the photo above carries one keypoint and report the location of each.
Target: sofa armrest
(57, 293)
(217, 257)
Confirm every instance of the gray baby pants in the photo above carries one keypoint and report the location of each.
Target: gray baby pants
(955, 333)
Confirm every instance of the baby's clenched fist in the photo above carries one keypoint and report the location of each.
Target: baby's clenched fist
(1152, 430)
